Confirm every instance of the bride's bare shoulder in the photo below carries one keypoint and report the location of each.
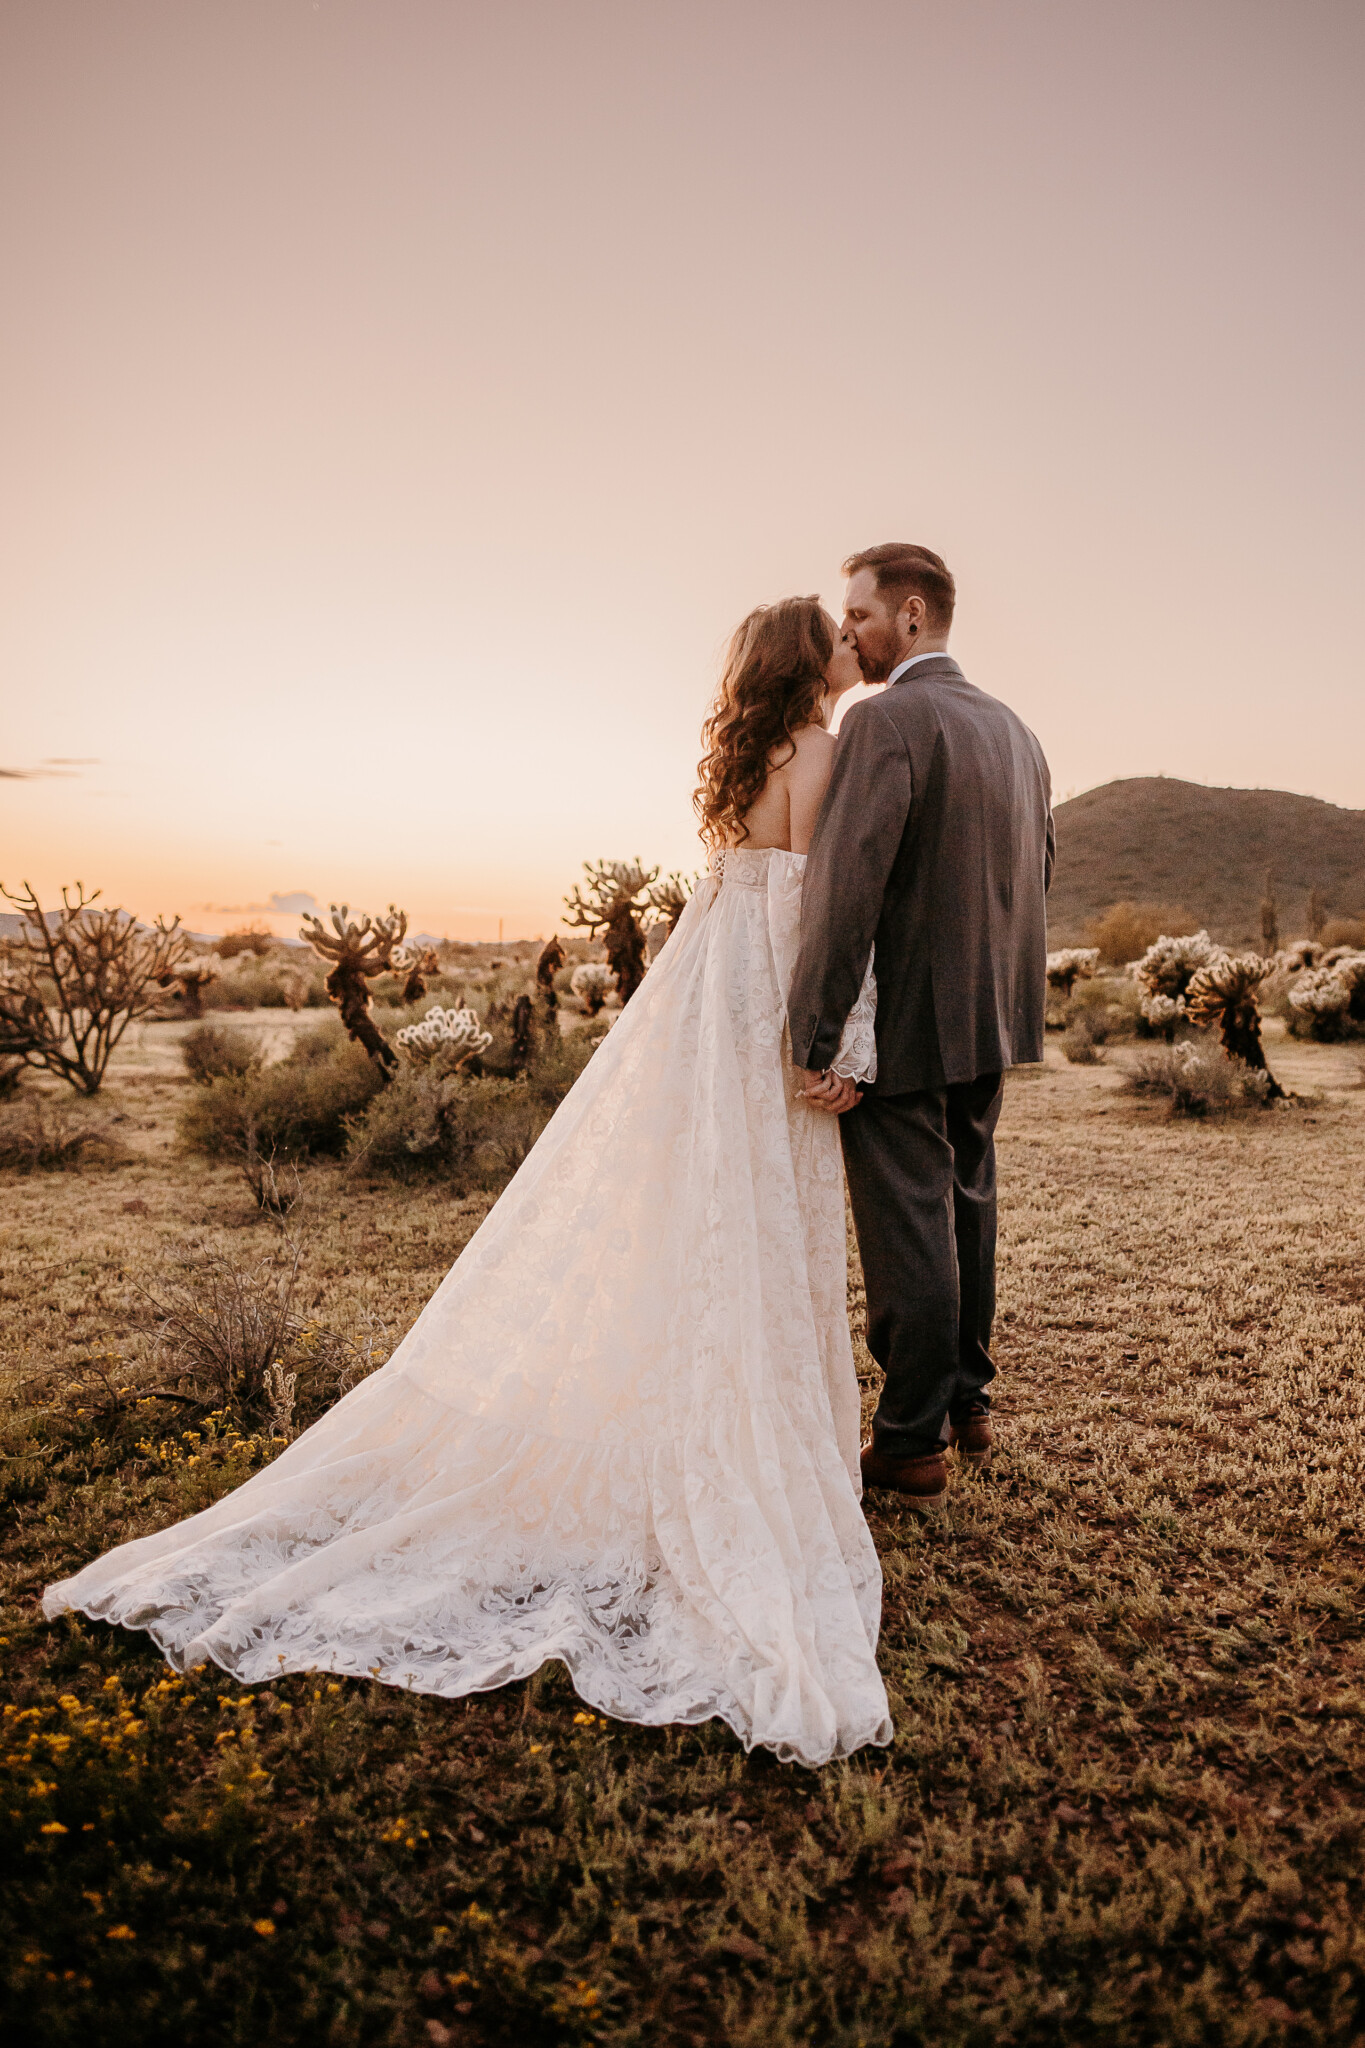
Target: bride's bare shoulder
(812, 757)
(806, 773)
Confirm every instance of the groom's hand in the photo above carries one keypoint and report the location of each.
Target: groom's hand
(827, 1091)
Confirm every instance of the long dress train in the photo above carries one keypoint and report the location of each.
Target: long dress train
(624, 1430)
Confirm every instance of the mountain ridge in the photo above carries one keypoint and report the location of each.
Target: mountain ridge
(1205, 849)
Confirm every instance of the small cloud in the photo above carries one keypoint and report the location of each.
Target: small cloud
(290, 903)
(47, 771)
(71, 761)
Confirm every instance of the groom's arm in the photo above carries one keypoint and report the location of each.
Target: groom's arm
(861, 825)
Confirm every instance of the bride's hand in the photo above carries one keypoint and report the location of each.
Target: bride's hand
(828, 1091)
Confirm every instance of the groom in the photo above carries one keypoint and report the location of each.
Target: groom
(935, 841)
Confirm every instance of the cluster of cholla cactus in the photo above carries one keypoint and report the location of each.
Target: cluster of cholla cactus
(617, 893)
(1225, 994)
(452, 1036)
(76, 978)
(592, 983)
(360, 953)
(1165, 972)
(1330, 994)
(1070, 965)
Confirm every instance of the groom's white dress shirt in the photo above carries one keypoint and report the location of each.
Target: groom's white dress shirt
(897, 673)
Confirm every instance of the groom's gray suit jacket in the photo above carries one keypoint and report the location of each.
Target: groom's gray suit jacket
(935, 840)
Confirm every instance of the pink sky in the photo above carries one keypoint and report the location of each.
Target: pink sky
(402, 401)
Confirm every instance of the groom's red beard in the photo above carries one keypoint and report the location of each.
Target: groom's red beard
(878, 660)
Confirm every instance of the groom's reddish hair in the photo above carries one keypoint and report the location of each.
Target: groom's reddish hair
(903, 570)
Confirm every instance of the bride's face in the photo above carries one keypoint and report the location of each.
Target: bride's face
(843, 672)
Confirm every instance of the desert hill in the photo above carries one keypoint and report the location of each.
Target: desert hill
(1160, 840)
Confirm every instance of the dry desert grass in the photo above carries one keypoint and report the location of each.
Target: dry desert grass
(1124, 1801)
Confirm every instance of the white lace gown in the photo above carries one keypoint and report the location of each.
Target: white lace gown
(624, 1430)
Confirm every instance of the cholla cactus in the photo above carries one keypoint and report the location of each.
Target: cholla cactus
(1070, 965)
(416, 966)
(194, 976)
(669, 899)
(547, 967)
(1163, 1012)
(453, 1036)
(279, 1394)
(1302, 953)
(616, 895)
(592, 983)
(1166, 970)
(360, 951)
(1225, 994)
(1330, 997)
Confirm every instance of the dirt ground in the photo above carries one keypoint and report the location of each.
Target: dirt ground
(1124, 1800)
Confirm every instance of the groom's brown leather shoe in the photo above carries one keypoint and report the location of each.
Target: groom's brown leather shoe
(972, 1438)
(923, 1481)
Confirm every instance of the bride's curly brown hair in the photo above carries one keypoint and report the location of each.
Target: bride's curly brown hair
(770, 687)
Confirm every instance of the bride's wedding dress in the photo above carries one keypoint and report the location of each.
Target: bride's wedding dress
(623, 1432)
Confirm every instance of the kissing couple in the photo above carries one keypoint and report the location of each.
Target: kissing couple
(624, 1432)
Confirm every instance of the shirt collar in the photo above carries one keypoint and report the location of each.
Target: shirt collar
(897, 673)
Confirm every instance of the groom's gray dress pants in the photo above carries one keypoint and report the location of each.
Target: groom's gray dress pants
(921, 1178)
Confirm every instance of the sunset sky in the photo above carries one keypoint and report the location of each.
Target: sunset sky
(402, 400)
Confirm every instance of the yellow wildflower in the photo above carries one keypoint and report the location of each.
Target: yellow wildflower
(52, 1827)
(119, 1933)
(264, 1926)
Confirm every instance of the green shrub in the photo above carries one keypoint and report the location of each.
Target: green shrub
(214, 1052)
(302, 1105)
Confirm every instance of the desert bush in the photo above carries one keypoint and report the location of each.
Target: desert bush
(213, 1052)
(267, 985)
(1080, 1043)
(231, 1338)
(38, 1134)
(472, 1129)
(300, 1106)
(1126, 930)
(1111, 1005)
(1198, 1077)
(74, 981)
(1344, 931)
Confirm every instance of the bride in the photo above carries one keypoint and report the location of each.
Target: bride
(624, 1431)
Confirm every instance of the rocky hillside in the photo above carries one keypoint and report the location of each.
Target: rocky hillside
(1180, 843)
